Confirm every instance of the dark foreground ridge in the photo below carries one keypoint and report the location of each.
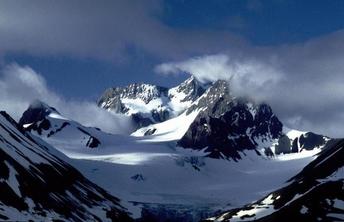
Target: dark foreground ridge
(37, 183)
(315, 194)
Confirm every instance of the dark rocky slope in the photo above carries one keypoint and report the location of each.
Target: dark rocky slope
(38, 184)
(315, 194)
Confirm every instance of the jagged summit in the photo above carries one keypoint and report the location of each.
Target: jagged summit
(191, 88)
(148, 104)
(37, 111)
(142, 91)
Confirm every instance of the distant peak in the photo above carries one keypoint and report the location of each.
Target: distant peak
(192, 79)
(36, 111)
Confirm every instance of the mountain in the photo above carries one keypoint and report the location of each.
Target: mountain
(223, 125)
(314, 194)
(148, 104)
(210, 120)
(38, 184)
(226, 124)
(47, 122)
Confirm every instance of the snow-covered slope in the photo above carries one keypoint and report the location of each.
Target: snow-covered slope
(38, 184)
(169, 130)
(315, 194)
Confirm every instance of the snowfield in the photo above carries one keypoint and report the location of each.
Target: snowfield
(152, 170)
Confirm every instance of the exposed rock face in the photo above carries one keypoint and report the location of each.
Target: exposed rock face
(148, 104)
(226, 125)
(191, 89)
(310, 140)
(37, 111)
(38, 184)
(283, 145)
(127, 100)
(306, 141)
(112, 98)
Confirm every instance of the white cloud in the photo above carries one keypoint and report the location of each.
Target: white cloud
(303, 82)
(243, 73)
(19, 86)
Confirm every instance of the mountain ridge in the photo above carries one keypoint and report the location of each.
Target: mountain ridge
(314, 194)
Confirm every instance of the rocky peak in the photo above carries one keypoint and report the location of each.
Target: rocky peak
(37, 111)
(148, 104)
(226, 124)
(144, 92)
(218, 94)
(190, 88)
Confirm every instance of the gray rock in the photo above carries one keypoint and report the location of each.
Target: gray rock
(283, 145)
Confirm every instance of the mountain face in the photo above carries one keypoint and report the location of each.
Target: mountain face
(148, 104)
(38, 184)
(303, 141)
(226, 124)
(315, 194)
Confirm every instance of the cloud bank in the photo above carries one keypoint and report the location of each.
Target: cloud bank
(19, 86)
(303, 83)
(106, 30)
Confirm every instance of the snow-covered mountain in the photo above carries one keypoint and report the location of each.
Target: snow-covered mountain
(215, 123)
(38, 184)
(47, 122)
(222, 125)
(148, 104)
(226, 124)
(314, 194)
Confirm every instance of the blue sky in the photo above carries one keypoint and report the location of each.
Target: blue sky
(287, 53)
(260, 23)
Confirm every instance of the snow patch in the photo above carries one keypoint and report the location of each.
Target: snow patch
(170, 130)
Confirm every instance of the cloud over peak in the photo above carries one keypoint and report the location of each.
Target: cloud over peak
(302, 82)
(247, 72)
